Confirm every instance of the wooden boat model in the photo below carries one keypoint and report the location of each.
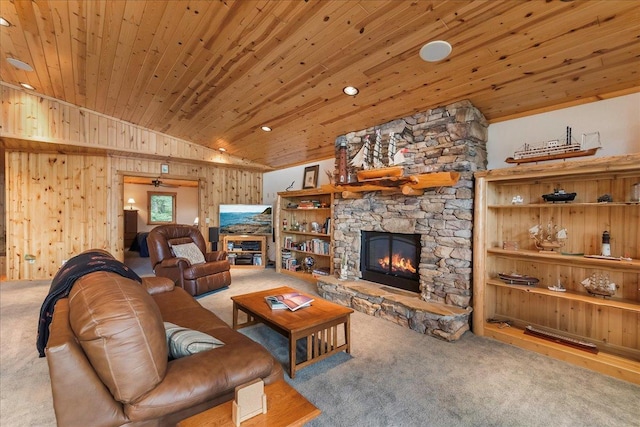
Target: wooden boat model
(561, 339)
(559, 196)
(518, 279)
(552, 150)
(563, 155)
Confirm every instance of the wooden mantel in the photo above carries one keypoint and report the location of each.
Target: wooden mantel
(410, 185)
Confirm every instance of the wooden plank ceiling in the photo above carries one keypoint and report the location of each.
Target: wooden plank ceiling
(213, 72)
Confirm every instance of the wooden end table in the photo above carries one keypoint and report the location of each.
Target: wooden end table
(318, 323)
(285, 407)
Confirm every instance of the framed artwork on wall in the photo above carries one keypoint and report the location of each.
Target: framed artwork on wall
(161, 208)
(310, 177)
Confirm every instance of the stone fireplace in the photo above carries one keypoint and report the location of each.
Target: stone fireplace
(449, 138)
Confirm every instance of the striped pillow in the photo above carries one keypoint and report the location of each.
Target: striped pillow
(185, 342)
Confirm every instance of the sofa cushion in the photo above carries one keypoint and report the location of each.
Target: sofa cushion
(121, 331)
(189, 251)
(183, 342)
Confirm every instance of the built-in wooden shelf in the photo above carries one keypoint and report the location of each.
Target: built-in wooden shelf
(610, 323)
(556, 257)
(573, 296)
(606, 363)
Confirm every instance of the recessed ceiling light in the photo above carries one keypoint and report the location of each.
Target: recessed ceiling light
(435, 51)
(222, 150)
(266, 128)
(27, 86)
(350, 90)
(19, 64)
(4, 22)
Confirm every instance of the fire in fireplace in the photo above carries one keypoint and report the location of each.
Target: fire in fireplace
(391, 259)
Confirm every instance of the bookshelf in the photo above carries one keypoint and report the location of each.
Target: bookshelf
(303, 227)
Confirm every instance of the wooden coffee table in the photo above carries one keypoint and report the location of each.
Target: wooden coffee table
(318, 323)
(285, 407)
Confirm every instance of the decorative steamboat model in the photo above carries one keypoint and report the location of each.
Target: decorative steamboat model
(554, 149)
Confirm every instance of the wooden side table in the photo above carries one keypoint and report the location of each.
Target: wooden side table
(285, 407)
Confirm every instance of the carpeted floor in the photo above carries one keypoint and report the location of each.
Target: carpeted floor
(394, 376)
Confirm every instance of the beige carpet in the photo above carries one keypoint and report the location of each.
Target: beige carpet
(394, 376)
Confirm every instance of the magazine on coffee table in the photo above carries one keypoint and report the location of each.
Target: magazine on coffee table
(291, 301)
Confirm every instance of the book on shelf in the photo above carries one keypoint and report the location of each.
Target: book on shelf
(321, 271)
(292, 301)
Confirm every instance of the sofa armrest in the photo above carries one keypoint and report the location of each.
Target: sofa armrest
(204, 377)
(216, 256)
(156, 285)
(73, 379)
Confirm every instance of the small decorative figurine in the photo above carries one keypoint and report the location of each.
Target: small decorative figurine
(343, 268)
(606, 246)
(605, 198)
(517, 200)
(559, 287)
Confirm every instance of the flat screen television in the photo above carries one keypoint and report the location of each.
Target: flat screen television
(246, 219)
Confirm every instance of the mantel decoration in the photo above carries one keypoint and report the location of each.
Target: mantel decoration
(548, 238)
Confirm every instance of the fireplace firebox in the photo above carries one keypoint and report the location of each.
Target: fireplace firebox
(391, 259)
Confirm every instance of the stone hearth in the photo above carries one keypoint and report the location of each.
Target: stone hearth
(450, 138)
(402, 307)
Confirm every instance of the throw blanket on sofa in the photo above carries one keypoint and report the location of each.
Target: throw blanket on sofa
(75, 268)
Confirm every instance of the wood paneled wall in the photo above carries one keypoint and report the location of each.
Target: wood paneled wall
(3, 213)
(59, 204)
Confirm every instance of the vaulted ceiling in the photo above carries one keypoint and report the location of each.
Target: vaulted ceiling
(213, 72)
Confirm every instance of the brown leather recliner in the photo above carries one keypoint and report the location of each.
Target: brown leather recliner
(195, 279)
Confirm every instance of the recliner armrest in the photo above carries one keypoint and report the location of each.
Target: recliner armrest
(216, 256)
(173, 263)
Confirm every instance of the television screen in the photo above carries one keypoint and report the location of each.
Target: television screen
(245, 219)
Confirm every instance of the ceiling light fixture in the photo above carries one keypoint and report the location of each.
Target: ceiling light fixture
(350, 90)
(27, 86)
(4, 22)
(266, 128)
(19, 64)
(222, 150)
(435, 51)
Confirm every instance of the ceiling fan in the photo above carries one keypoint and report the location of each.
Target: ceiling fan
(157, 183)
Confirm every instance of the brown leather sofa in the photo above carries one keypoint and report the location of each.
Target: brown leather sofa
(108, 355)
(196, 279)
